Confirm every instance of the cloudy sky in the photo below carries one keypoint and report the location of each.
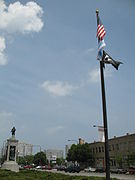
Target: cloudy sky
(49, 76)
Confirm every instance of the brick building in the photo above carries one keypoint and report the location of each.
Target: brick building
(119, 150)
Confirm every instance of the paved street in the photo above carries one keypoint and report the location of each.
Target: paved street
(118, 176)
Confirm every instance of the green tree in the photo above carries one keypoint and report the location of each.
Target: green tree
(131, 159)
(119, 160)
(21, 160)
(71, 156)
(80, 153)
(29, 159)
(40, 158)
(60, 161)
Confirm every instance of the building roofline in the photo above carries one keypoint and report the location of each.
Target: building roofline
(114, 138)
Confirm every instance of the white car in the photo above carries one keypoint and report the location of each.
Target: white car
(89, 169)
(39, 167)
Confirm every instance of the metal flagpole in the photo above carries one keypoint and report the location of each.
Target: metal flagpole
(104, 115)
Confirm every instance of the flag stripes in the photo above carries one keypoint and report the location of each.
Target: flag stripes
(101, 31)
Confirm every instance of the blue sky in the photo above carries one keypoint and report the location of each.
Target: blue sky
(49, 76)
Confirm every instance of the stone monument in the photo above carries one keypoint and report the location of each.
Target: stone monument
(11, 153)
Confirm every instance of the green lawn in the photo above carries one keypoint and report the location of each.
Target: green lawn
(38, 175)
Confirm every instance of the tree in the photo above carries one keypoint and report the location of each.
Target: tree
(26, 160)
(71, 153)
(131, 159)
(80, 153)
(60, 161)
(29, 159)
(40, 159)
(21, 160)
(119, 160)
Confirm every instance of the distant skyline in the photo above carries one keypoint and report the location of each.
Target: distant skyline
(49, 75)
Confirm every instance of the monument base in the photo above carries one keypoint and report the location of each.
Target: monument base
(10, 165)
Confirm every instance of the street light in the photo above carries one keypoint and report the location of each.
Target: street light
(102, 127)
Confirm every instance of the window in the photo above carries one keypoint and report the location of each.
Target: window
(109, 147)
(113, 147)
(117, 146)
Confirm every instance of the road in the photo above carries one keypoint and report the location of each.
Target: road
(118, 176)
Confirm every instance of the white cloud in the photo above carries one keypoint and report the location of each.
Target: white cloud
(3, 59)
(21, 18)
(58, 88)
(94, 75)
(18, 18)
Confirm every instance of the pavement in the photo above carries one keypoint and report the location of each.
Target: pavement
(118, 176)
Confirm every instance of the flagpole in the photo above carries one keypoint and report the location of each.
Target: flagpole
(104, 114)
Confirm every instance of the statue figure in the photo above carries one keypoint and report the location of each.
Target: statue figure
(13, 131)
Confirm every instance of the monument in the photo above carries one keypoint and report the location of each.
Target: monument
(11, 153)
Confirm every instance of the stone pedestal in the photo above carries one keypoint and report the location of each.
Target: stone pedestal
(10, 165)
(11, 154)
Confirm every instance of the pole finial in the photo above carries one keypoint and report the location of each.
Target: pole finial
(97, 11)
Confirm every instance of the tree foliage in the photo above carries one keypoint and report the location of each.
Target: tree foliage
(40, 159)
(37, 159)
(131, 159)
(26, 160)
(81, 154)
(60, 161)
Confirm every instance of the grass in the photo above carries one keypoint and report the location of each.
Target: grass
(38, 175)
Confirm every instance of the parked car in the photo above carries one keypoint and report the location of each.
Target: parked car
(28, 167)
(118, 171)
(39, 167)
(47, 167)
(73, 169)
(89, 169)
(61, 168)
(100, 169)
(21, 167)
(131, 170)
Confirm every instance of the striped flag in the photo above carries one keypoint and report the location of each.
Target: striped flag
(100, 31)
(100, 35)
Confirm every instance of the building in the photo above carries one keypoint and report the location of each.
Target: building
(24, 149)
(53, 154)
(81, 141)
(119, 150)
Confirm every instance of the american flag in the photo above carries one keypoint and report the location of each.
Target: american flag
(100, 31)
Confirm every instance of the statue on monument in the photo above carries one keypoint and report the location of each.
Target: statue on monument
(11, 153)
(13, 131)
